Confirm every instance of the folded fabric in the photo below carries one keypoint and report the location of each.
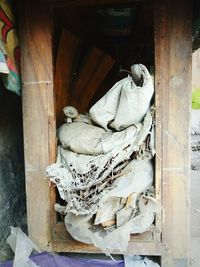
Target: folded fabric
(88, 139)
(108, 196)
(104, 170)
(125, 103)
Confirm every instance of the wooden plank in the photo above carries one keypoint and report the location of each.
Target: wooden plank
(38, 115)
(173, 96)
(63, 3)
(93, 71)
(134, 248)
(67, 53)
(60, 234)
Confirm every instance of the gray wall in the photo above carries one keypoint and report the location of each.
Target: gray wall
(12, 186)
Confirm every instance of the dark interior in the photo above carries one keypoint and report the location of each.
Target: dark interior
(127, 38)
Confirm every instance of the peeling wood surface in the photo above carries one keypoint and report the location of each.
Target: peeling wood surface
(173, 100)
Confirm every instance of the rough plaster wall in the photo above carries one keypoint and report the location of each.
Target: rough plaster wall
(195, 70)
(195, 173)
(12, 188)
(195, 203)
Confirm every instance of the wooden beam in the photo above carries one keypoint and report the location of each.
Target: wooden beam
(38, 115)
(173, 51)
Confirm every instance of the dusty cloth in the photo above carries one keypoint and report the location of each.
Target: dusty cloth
(104, 171)
(119, 181)
(93, 140)
(9, 49)
(76, 172)
(126, 102)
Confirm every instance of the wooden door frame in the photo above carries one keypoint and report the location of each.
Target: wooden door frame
(172, 95)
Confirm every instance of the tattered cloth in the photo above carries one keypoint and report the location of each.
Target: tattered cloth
(98, 188)
(105, 176)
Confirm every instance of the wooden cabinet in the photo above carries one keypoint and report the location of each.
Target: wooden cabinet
(172, 35)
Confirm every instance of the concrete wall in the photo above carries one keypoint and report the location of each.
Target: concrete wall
(12, 187)
(196, 70)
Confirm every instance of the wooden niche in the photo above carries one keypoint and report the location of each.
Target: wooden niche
(70, 57)
(89, 59)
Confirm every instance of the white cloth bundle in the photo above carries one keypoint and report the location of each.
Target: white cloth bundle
(93, 187)
(125, 103)
(81, 138)
(88, 139)
(82, 228)
(138, 177)
(104, 172)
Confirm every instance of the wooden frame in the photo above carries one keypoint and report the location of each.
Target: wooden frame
(173, 88)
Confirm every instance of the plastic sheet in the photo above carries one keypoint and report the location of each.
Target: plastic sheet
(51, 260)
(22, 246)
(137, 261)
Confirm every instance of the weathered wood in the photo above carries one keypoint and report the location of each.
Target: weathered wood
(62, 241)
(60, 233)
(93, 71)
(134, 248)
(173, 100)
(38, 115)
(67, 53)
(89, 2)
(173, 89)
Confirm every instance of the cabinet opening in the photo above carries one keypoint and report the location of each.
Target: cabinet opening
(94, 46)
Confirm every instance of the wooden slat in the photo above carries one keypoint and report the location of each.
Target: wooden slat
(134, 248)
(173, 100)
(93, 71)
(38, 115)
(61, 3)
(143, 244)
(67, 53)
(60, 233)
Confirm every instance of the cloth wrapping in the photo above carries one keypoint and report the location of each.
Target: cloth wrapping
(125, 103)
(93, 140)
(106, 176)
